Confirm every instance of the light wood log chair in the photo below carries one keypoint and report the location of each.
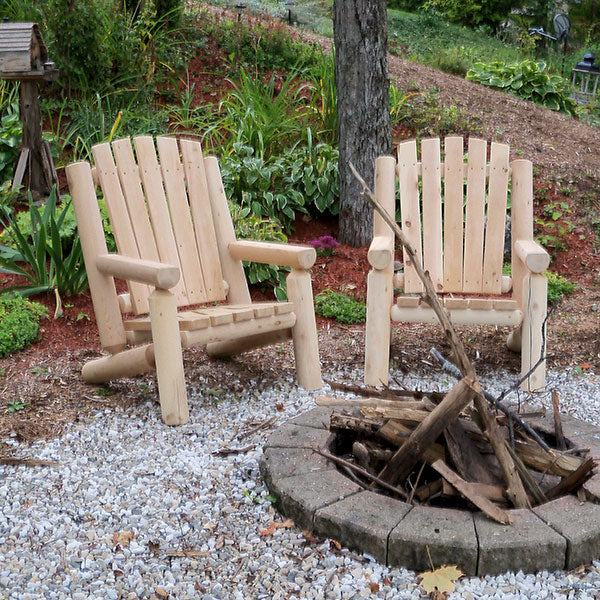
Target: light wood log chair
(177, 248)
(460, 239)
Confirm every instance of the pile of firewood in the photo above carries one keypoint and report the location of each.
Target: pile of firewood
(430, 448)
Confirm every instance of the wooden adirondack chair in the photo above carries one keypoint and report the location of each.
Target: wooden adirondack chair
(460, 240)
(177, 248)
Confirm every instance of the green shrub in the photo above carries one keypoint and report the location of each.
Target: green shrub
(558, 286)
(260, 44)
(19, 323)
(10, 129)
(247, 226)
(303, 179)
(344, 309)
(67, 230)
(529, 80)
(473, 13)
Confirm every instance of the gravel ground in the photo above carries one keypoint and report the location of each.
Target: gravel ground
(136, 509)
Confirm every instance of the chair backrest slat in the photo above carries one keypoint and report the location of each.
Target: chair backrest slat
(172, 170)
(195, 174)
(233, 270)
(158, 210)
(463, 251)
(131, 184)
(475, 216)
(119, 218)
(496, 219)
(453, 214)
(410, 210)
(432, 211)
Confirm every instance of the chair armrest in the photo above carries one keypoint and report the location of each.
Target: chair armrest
(534, 256)
(285, 255)
(381, 252)
(159, 275)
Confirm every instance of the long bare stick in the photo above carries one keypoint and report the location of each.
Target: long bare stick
(363, 472)
(515, 490)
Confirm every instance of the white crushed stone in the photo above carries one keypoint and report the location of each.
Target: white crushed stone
(64, 530)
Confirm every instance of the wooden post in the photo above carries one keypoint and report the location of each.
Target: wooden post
(535, 300)
(31, 117)
(168, 357)
(380, 290)
(304, 332)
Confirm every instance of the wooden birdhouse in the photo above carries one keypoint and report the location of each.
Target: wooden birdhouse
(22, 51)
(24, 58)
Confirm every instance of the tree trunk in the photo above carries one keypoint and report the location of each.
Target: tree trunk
(364, 129)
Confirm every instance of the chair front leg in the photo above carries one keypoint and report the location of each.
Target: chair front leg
(533, 336)
(304, 332)
(168, 357)
(379, 327)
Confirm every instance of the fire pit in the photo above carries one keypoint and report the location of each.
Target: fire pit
(310, 488)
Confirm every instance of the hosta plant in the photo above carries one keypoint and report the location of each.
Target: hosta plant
(527, 79)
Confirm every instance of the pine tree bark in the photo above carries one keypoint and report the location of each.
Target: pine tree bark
(364, 129)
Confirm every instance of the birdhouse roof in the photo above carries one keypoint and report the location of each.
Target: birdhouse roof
(21, 37)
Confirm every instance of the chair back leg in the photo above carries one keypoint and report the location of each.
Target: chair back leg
(304, 331)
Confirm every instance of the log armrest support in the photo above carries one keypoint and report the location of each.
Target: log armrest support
(159, 275)
(284, 255)
(381, 252)
(534, 256)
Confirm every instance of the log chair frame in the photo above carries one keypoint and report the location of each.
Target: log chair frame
(176, 248)
(460, 241)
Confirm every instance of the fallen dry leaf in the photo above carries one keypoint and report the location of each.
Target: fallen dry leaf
(387, 581)
(441, 580)
(374, 587)
(276, 525)
(334, 545)
(220, 542)
(279, 406)
(309, 537)
(122, 538)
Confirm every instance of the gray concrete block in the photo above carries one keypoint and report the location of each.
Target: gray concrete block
(528, 545)
(317, 417)
(301, 496)
(592, 488)
(578, 523)
(362, 522)
(278, 463)
(449, 533)
(290, 435)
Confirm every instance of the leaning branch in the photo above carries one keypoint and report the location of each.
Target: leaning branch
(515, 490)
